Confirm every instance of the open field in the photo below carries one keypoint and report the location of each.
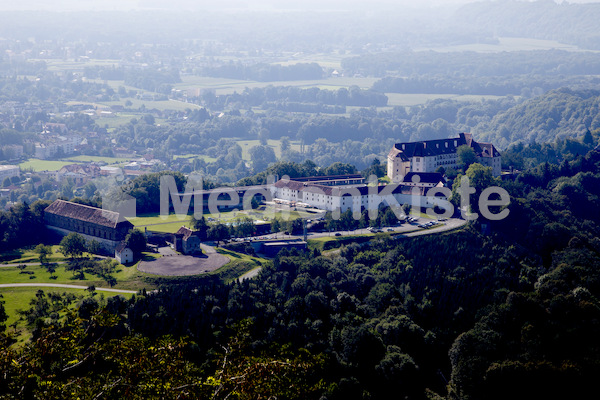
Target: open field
(18, 299)
(86, 158)
(413, 99)
(229, 86)
(117, 120)
(507, 44)
(74, 65)
(43, 165)
(173, 222)
(128, 278)
(176, 105)
(29, 256)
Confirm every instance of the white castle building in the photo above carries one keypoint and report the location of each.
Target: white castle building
(429, 155)
(326, 195)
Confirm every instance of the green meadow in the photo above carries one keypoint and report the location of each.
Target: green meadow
(43, 165)
(86, 158)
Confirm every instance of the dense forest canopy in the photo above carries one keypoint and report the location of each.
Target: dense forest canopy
(476, 311)
(237, 92)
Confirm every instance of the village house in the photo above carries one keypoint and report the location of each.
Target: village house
(79, 174)
(356, 197)
(186, 241)
(123, 254)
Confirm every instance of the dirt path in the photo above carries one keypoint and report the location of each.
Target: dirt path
(61, 285)
(250, 274)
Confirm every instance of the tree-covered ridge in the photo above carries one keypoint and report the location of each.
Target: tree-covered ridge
(537, 63)
(463, 315)
(565, 22)
(558, 113)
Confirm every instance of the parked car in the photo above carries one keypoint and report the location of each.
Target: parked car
(338, 234)
(390, 230)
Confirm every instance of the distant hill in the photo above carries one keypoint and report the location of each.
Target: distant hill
(567, 23)
(558, 113)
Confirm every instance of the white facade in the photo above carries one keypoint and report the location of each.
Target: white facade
(124, 256)
(8, 171)
(356, 198)
(428, 156)
(52, 145)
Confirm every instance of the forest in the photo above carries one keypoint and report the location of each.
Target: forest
(240, 91)
(461, 315)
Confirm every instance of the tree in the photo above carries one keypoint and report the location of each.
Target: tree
(73, 245)
(94, 247)
(218, 232)
(136, 241)
(339, 168)
(244, 226)
(466, 156)
(276, 225)
(199, 225)
(480, 178)
(43, 252)
(3, 315)
(285, 143)
(261, 157)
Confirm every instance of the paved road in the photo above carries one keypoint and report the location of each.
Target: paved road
(250, 274)
(448, 225)
(408, 230)
(60, 285)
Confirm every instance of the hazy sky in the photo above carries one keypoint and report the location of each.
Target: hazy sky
(201, 4)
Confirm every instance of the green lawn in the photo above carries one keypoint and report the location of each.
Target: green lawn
(30, 256)
(86, 158)
(43, 165)
(173, 222)
(507, 44)
(330, 242)
(229, 86)
(18, 299)
(126, 277)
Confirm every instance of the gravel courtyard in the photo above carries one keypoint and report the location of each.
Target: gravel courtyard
(180, 265)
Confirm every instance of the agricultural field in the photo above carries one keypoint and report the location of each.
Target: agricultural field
(86, 158)
(76, 66)
(507, 44)
(43, 165)
(229, 86)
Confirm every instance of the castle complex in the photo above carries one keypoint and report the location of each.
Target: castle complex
(429, 155)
